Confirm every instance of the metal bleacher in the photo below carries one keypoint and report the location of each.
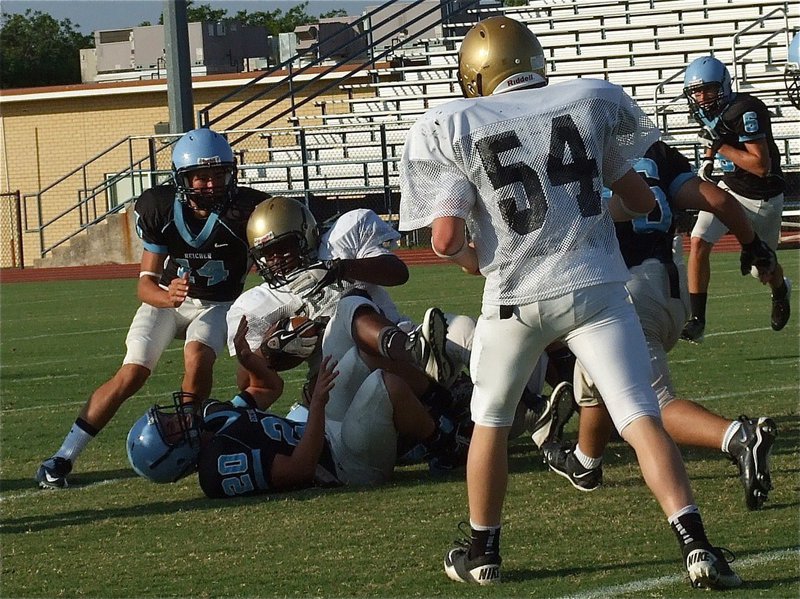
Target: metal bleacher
(641, 45)
(343, 152)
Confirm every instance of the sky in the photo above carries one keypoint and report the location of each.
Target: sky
(91, 15)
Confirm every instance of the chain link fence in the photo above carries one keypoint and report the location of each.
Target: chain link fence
(11, 231)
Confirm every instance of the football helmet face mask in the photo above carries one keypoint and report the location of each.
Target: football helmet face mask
(204, 170)
(707, 87)
(164, 444)
(283, 237)
(792, 73)
(499, 53)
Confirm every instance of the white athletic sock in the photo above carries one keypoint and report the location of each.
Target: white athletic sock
(74, 443)
(587, 462)
(730, 434)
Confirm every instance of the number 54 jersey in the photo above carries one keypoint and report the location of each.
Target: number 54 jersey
(525, 169)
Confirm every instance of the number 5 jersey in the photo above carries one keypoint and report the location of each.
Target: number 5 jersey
(525, 169)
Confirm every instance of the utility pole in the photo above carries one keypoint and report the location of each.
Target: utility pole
(179, 70)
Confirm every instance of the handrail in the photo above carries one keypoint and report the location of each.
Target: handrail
(330, 85)
(658, 109)
(202, 115)
(748, 28)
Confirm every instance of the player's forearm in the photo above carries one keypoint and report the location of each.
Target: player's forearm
(449, 241)
(149, 292)
(387, 270)
(755, 164)
(635, 196)
(306, 455)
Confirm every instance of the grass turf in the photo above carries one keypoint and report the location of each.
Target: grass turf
(114, 535)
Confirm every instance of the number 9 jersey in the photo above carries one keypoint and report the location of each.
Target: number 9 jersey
(525, 169)
(213, 251)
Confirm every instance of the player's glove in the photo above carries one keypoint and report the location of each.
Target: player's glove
(706, 169)
(297, 342)
(316, 277)
(709, 140)
(758, 254)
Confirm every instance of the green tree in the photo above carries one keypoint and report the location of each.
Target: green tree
(37, 50)
(200, 14)
(338, 12)
(276, 21)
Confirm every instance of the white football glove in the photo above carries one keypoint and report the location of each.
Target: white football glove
(307, 283)
(291, 341)
(706, 169)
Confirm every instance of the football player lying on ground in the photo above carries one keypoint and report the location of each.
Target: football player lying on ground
(658, 291)
(286, 247)
(238, 448)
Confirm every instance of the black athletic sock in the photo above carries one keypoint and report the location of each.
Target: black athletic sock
(86, 427)
(689, 530)
(484, 542)
(437, 399)
(698, 302)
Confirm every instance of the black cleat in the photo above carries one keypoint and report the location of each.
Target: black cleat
(750, 451)
(561, 460)
(781, 307)
(562, 407)
(484, 570)
(52, 474)
(694, 330)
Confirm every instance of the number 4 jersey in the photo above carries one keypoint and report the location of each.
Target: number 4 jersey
(526, 169)
(213, 251)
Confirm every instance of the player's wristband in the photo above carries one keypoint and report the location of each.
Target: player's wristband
(244, 399)
(464, 247)
(149, 273)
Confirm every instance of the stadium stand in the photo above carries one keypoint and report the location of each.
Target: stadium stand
(346, 150)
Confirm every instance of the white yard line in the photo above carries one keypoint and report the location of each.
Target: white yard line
(642, 586)
(37, 491)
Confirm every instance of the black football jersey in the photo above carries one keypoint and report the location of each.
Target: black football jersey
(665, 169)
(213, 251)
(238, 458)
(747, 119)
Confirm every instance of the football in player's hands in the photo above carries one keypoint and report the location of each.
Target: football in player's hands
(290, 341)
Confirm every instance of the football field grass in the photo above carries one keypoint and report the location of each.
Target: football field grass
(112, 534)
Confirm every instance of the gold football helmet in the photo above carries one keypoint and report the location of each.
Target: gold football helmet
(499, 50)
(283, 237)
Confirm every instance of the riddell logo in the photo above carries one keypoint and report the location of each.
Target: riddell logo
(521, 79)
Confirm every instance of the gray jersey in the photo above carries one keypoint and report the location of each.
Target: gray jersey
(525, 169)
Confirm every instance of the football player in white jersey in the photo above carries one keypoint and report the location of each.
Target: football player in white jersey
(354, 252)
(522, 165)
(284, 243)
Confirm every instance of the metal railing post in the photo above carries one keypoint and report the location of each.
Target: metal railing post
(304, 163)
(387, 194)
